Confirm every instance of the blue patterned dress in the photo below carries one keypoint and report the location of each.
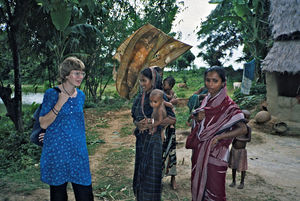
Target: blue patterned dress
(64, 155)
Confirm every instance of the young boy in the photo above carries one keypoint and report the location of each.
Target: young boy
(159, 110)
(169, 144)
(238, 154)
(168, 85)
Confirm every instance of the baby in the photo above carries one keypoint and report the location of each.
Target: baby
(197, 116)
(159, 110)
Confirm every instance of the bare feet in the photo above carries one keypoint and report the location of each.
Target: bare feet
(173, 183)
(241, 186)
(232, 184)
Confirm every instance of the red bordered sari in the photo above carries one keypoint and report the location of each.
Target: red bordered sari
(221, 114)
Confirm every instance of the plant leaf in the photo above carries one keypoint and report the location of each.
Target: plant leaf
(60, 15)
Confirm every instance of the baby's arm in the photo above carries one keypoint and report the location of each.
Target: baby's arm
(168, 104)
(169, 96)
(173, 100)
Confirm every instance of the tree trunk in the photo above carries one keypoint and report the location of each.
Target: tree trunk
(14, 105)
(17, 100)
(18, 87)
(10, 104)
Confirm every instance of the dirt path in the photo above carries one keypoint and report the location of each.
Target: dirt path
(115, 122)
(273, 173)
(274, 164)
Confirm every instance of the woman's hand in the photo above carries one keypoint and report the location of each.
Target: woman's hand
(143, 124)
(188, 123)
(215, 140)
(62, 99)
(167, 121)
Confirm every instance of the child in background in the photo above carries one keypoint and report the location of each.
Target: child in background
(168, 85)
(238, 154)
(169, 145)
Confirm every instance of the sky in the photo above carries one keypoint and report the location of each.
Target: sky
(188, 22)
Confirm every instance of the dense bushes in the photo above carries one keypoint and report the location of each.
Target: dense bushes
(16, 151)
(256, 96)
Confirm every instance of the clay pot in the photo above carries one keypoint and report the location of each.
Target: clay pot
(262, 117)
(280, 127)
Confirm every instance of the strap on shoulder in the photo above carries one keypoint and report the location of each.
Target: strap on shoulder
(57, 89)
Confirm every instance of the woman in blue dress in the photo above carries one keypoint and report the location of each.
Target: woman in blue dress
(64, 156)
(147, 180)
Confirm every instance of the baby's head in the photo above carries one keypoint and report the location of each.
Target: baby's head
(168, 83)
(156, 98)
(199, 114)
(247, 115)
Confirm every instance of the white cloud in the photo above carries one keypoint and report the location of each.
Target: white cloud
(188, 21)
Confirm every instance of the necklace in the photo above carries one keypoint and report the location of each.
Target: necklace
(65, 90)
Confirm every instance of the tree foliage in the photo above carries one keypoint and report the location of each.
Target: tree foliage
(44, 32)
(234, 23)
(184, 61)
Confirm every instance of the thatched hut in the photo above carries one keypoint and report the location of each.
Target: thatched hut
(282, 64)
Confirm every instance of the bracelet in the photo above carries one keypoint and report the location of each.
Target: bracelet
(152, 121)
(54, 112)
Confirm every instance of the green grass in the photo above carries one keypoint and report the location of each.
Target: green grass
(22, 181)
(106, 186)
(182, 115)
(194, 81)
(126, 130)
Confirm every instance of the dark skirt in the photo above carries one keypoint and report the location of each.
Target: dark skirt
(147, 180)
(169, 152)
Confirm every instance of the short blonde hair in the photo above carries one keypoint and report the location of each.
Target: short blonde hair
(69, 64)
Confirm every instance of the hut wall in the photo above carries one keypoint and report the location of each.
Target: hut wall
(284, 108)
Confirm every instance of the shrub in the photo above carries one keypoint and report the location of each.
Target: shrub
(256, 96)
(16, 150)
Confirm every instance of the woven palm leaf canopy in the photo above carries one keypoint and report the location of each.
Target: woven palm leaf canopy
(148, 46)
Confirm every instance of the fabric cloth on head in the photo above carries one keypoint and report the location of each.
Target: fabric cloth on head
(221, 114)
(148, 158)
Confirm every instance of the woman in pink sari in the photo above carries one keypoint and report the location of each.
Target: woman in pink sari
(211, 136)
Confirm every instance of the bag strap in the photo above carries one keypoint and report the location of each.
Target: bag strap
(57, 89)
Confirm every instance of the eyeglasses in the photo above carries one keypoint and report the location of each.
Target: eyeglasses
(77, 74)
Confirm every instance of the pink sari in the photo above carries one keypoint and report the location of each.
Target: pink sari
(221, 113)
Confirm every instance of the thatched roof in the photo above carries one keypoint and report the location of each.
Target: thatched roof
(283, 57)
(285, 17)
